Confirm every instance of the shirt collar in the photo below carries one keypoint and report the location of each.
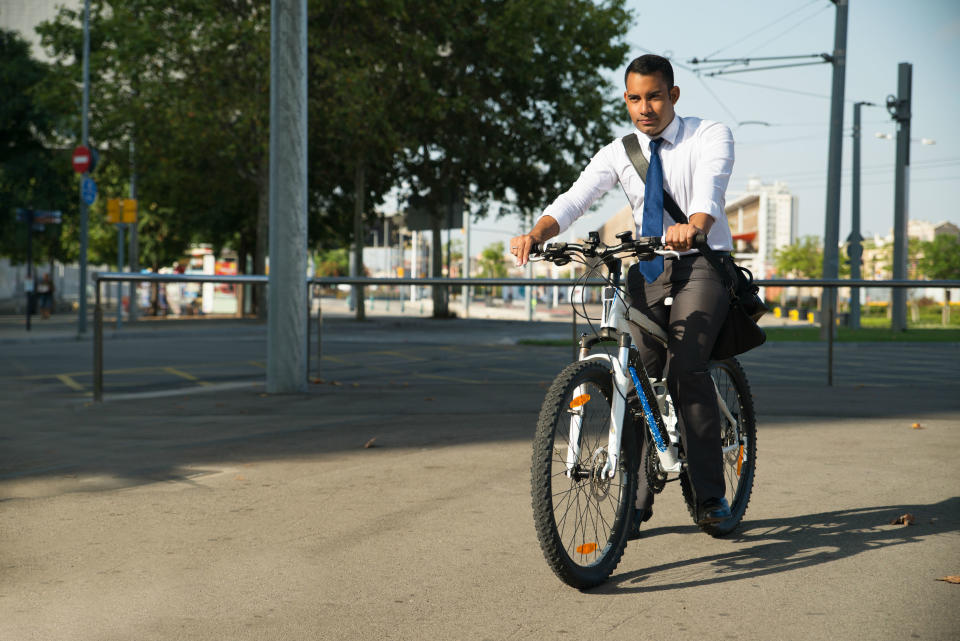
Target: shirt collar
(670, 134)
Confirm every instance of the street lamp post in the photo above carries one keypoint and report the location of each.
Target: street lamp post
(855, 246)
(900, 110)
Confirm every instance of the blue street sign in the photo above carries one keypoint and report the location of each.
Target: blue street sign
(88, 190)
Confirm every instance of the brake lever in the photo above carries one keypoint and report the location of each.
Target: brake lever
(667, 253)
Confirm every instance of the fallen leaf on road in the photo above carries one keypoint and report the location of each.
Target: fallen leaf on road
(263, 396)
(950, 579)
(429, 398)
(906, 519)
(316, 381)
(239, 477)
(336, 383)
(370, 443)
(917, 426)
(355, 384)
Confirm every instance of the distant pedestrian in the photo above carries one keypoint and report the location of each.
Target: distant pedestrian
(45, 296)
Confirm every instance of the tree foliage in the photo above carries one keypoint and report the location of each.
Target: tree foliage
(802, 259)
(940, 258)
(34, 174)
(454, 102)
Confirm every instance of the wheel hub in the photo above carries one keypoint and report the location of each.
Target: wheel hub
(599, 483)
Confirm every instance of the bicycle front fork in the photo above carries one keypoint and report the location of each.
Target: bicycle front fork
(624, 375)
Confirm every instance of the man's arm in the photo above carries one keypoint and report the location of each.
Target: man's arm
(711, 174)
(545, 229)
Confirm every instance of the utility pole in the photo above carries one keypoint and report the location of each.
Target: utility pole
(84, 222)
(831, 236)
(900, 110)
(134, 244)
(466, 263)
(286, 322)
(356, 267)
(855, 246)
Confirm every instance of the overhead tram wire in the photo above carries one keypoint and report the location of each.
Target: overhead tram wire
(763, 28)
(717, 98)
(789, 29)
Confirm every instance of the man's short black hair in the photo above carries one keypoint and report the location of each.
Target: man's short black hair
(648, 65)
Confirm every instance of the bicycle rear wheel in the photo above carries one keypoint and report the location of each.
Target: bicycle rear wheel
(582, 518)
(739, 442)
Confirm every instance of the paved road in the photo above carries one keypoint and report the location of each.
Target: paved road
(237, 515)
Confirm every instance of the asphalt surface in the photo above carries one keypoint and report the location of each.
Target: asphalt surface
(191, 505)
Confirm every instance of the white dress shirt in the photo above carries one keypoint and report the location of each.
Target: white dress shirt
(697, 158)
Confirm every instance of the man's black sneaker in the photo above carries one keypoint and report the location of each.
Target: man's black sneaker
(714, 511)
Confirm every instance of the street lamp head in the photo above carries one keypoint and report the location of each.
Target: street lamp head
(884, 136)
(927, 141)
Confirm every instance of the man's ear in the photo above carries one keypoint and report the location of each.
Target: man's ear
(674, 94)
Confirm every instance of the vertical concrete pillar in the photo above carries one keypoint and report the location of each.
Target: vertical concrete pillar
(286, 324)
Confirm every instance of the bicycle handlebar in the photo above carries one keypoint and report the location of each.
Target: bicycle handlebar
(643, 248)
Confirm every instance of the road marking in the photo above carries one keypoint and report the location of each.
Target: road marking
(182, 374)
(69, 382)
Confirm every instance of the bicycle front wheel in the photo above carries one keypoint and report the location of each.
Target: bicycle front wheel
(739, 442)
(582, 516)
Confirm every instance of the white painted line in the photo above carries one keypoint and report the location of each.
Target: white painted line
(220, 387)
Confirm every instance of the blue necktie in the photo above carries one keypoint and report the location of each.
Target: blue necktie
(653, 210)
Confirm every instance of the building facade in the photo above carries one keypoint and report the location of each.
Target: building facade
(763, 219)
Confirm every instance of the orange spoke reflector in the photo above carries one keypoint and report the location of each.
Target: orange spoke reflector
(579, 401)
(740, 460)
(586, 548)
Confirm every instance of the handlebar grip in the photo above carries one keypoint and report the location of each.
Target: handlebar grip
(700, 239)
(536, 248)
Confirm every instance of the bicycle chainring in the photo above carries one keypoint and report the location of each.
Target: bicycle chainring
(656, 477)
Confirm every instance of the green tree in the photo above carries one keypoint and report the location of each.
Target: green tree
(188, 83)
(802, 259)
(34, 173)
(332, 262)
(491, 263)
(940, 259)
(520, 102)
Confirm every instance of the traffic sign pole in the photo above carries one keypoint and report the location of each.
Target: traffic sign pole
(84, 222)
(30, 280)
(120, 229)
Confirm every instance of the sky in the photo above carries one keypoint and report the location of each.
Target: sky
(795, 102)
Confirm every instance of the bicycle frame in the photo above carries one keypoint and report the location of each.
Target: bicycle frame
(623, 321)
(627, 324)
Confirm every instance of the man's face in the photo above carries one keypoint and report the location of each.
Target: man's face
(650, 102)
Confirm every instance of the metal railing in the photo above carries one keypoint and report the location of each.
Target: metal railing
(110, 277)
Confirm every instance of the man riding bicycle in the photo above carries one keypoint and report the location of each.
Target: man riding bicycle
(692, 160)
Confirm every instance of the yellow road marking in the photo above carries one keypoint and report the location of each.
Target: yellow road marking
(127, 370)
(182, 374)
(69, 382)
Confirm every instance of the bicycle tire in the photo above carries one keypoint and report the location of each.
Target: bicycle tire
(581, 519)
(735, 390)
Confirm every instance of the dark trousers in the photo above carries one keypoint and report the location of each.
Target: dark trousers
(692, 321)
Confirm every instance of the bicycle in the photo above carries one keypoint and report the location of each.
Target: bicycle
(586, 458)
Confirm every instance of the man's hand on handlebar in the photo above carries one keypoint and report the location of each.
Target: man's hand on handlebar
(520, 246)
(683, 237)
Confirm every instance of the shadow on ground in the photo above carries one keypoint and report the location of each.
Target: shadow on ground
(772, 546)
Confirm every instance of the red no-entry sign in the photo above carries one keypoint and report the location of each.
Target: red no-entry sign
(81, 159)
